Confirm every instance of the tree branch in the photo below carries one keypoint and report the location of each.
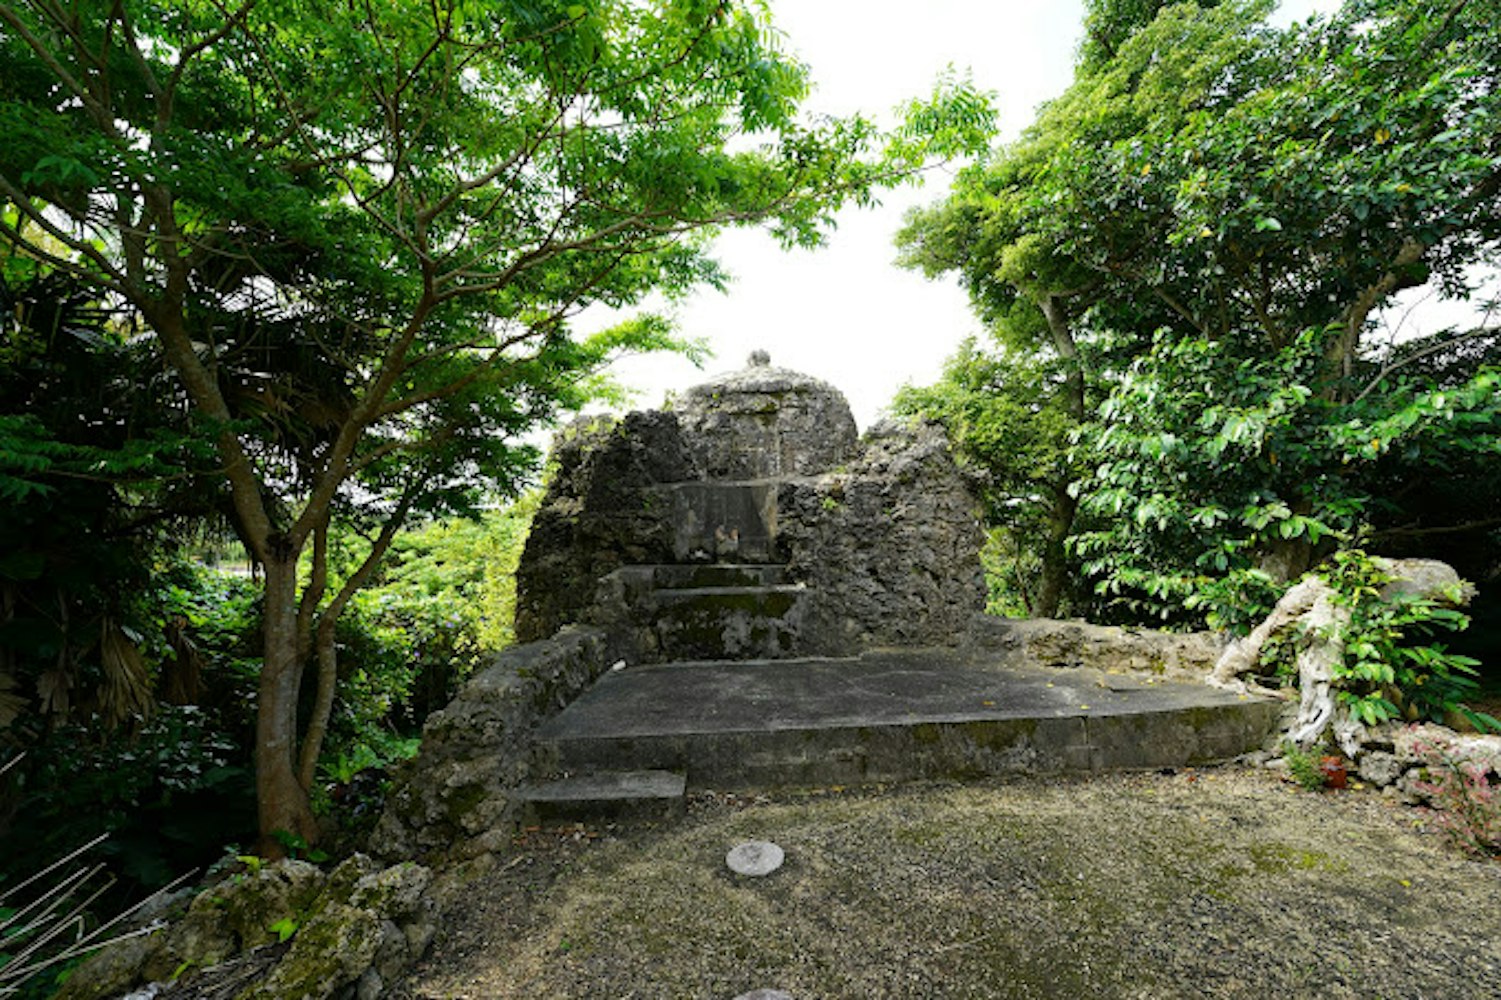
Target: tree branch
(328, 664)
(48, 57)
(1410, 531)
(107, 276)
(1419, 355)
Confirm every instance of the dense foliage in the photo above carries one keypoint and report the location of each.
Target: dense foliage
(1220, 208)
(173, 787)
(93, 480)
(442, 602)
(354, 238)
(1391, 668)
(1199, 238)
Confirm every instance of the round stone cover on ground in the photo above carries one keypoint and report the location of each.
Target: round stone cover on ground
(754, 858)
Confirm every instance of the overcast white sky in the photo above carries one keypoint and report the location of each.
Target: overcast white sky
(845, 313)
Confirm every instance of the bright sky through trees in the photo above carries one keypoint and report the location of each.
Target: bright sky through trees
(846, 313)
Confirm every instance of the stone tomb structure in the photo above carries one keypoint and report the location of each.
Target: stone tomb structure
(736, 591)
(749, 521)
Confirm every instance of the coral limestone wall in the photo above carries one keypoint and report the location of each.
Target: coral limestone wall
(860, 542)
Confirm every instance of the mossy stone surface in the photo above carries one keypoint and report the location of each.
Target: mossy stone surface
(331, 951)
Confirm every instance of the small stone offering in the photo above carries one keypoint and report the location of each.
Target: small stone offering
(754, 858)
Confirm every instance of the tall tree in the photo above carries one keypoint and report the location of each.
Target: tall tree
(358, 233)
(1242, 202)
(1012, 229)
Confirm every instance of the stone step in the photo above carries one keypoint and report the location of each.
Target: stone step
(604, 794)
(691, 575)
(726, 623)
(894, 716)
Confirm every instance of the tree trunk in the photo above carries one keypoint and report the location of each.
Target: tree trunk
(323, 702)
(282, 801)
(1054, 552)
(1064, 506)
(1310, 614)
(324, 646)
(1054, 312)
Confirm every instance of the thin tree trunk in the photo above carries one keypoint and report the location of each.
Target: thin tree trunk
(327, 649)
(1063, 340)
(282, 801)
(323, 702)
(1064, 505)
(312, 593)
(1055, 553)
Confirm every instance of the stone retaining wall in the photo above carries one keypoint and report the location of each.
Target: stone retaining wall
(454, 798)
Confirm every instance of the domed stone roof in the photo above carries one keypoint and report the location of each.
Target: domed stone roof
(763, 422)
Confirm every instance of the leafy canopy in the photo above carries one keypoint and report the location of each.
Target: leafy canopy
(1222, 209)
(358, 235)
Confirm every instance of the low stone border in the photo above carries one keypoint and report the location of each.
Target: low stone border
(1051, 642)
(1401, 759)
(455, 799)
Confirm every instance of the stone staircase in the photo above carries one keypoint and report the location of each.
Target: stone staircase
(711, 611)
(603, 795)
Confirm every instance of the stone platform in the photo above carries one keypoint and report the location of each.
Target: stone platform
(889, 716)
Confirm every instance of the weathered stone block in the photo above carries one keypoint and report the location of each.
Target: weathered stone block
(764, 422)
(1380, 768)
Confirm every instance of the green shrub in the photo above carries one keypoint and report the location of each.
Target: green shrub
(1391, 669)
(169, 794)
(1304, 767)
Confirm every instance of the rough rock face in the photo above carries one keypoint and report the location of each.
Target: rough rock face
(1412, 761)
(764, 422)
(366, 927)
(644, 551)
(454, 798)
(1424, 578)
(866, 542)
(890, 547)
(353, 930)
(600, 513)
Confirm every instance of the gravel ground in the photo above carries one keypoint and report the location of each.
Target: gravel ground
(1217, 883)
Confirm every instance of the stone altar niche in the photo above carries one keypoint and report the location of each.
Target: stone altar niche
(749, 521)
